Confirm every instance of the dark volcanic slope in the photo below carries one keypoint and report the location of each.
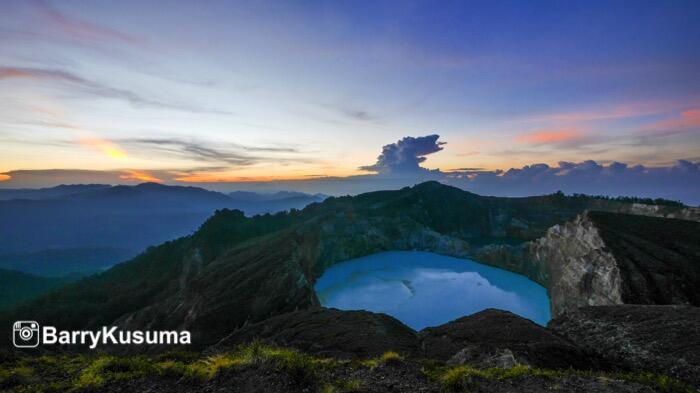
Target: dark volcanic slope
(329, 332)
(236, 270)
(481, 337)
(484, 339)
(662, 339)
(659, 259)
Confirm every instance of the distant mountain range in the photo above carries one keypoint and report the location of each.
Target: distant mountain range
(87, 228)
(237, 270)
(45, 193)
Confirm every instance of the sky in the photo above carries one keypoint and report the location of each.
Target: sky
(322, 95)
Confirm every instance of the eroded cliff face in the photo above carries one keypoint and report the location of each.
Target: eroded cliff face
(581, 272)
(603, 258)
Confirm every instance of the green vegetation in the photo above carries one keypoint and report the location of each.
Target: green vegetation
(90, 372)
(110, 368)
(627, 199)
(465, 377)
(80, 373)
(389, 357)
(18, 287)
(342, 386)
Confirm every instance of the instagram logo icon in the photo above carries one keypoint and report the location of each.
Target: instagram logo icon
(25, 334)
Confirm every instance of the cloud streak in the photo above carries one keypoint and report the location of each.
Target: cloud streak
(108, 148)
(140, 176)
(81, 29)
(98, 89)
(359, 115)
(689, 121)
(229, 153)
(553, 136)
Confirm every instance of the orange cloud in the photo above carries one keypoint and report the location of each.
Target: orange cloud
(139, 176)
(469, 153)
(9, 73)
(4, 177)
(216, 178)
(628, 110)
(689, 121)
(559, 135)
(109, 148)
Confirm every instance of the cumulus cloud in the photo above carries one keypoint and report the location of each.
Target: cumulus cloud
(680, 181)
(406, 155)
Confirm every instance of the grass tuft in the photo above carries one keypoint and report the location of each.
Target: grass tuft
(106, 368)
(391, 357)
(388, 357)
(343, 386)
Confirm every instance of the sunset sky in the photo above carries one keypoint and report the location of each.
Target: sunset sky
(129, 91)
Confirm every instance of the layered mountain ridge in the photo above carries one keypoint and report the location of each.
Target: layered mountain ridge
(237, 270)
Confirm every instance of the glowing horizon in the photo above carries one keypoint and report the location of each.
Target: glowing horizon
(226, 93)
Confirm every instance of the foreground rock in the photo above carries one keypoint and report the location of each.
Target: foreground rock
(331, 332)
(609, 258)
(491, 338)
(661, 339)
(495, 338)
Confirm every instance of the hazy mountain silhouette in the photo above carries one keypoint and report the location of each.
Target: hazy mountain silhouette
(50, 192)
(90, 227)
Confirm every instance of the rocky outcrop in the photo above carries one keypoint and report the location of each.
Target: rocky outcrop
(496, 338)
(603, 258)
(328, 332)
(660, 339)
(581, 271)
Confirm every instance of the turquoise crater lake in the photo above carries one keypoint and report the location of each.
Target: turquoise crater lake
(423, 289)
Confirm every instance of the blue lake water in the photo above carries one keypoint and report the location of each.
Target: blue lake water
(423, 289)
